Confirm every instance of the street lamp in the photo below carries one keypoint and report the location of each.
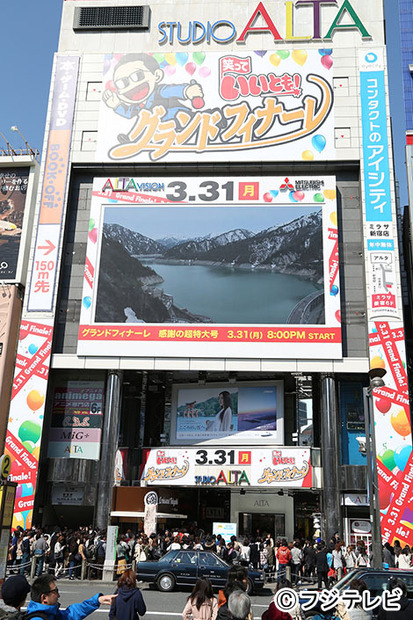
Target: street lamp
(376, 381)
(28, 147)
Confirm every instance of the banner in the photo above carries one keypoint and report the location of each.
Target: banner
(26, 416)
(263, 468)
(56, 172)
(76, 420)
(193, 267)
(217, 107)
(392, 424)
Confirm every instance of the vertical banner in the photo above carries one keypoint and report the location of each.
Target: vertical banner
(386, 330)
(26, 414)
(56, 173)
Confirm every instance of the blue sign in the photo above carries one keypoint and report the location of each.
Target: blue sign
(375, 146)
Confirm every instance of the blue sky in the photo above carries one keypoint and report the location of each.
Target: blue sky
(30, 31)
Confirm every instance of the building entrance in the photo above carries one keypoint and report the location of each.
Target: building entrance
(258, 523)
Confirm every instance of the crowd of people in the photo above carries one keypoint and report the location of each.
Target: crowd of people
(64, 551)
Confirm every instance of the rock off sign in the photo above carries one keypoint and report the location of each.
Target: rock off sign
(170, 106)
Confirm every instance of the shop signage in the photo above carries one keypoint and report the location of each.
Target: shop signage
(224, 31)
(67, 495)
(196, 231)
(164, 107)
(76, 420)
(263, 468)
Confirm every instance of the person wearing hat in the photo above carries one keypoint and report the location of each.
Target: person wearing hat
(13, 596)
(44, 604)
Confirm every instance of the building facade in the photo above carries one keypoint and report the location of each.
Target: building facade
(214, 271)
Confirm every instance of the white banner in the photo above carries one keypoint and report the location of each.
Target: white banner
(281, 467)
(216, 107)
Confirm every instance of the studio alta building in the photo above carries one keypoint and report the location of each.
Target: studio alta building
(214, 271)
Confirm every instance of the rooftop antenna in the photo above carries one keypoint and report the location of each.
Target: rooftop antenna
(10, 151)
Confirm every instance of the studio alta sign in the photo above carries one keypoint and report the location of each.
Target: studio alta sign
(261, 22)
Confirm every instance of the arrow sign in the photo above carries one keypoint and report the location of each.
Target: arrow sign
(49, 247)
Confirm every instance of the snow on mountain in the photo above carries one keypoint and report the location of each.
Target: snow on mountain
(133, 242)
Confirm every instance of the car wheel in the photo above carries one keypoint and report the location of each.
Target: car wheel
(250, 587)
(166, 583)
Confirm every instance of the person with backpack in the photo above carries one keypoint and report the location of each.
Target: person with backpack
(284, 559)
(44, 604)
(201, 603)
(13, 596)
(129, 604)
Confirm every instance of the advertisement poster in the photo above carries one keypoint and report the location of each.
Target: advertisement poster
(391, 409)
(233, 414)
(41, 292)
(212, 467)
(180, 106)
(76, 420)
(24, 429)
(13, 192)
(204, 266)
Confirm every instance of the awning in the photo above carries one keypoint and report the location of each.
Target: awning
(136, 515)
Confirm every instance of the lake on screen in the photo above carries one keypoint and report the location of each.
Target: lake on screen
(230, 295)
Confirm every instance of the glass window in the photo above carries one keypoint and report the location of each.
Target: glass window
(209, 559)
(186, 557)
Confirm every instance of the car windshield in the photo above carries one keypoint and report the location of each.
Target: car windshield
(344, 583)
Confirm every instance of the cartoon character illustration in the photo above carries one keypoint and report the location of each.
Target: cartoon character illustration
(137, 80)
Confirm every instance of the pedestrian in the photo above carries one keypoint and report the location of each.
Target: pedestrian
(129, 603)
(59, 549)
(309, 553)
(338, 563)
(362, 557)
(388, 555)
(273, 613)
(201, 604)
(406, 606)
(100, 555)
(350, 558)
(25, 563)
(297, 557)
(121, 555)
(404, 559)
(284, 558)
(237, 579)
(357, 612)
(45, 602)
(39, 551)
(13, 596)
(321, 565)
(239, 605)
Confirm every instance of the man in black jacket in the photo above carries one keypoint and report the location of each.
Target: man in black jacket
(321, 563)
(406, 605)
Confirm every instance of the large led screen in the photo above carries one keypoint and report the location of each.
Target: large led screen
(194, 266)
